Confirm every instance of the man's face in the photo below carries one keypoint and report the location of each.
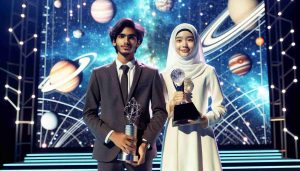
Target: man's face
(126, 42)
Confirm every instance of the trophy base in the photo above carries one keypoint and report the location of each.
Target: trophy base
(185, 114)
(185, 122)
(127, 157)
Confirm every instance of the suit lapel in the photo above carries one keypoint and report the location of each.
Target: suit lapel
(115, 79)
(137, 74)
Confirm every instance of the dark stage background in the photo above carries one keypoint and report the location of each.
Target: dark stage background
(7, 115)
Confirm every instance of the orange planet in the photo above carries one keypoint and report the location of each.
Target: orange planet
(259, 41)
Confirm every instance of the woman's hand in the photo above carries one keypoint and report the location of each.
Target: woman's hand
(179, 96)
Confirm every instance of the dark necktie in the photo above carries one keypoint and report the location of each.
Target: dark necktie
(124, 82)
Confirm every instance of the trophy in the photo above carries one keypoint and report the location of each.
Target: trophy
(132, 112)
(186, 112)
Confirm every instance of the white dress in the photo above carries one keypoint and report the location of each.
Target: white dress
(191, 148)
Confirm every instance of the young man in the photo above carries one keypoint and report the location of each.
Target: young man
(110, 88)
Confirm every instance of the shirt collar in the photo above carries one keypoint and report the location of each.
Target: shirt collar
(130, 64)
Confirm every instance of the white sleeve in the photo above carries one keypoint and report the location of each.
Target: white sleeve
(107, 137)
(217, 104)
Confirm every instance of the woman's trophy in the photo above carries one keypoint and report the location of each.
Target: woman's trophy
(132, 112)
(186, 112)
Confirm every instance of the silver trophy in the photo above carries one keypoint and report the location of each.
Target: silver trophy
(132, 112)
(186, 112)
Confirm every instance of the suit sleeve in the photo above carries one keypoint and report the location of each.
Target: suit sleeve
(90, 112)
(159, 113)
(217, 105)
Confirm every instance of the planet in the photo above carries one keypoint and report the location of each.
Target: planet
(164, 5)
(49, 120)
(57, 4)
(239, 10)
(65, 75)
(259, 41)
(78, 33)
(102, 11)
(239, 64)
(212, 39)
(61, 70)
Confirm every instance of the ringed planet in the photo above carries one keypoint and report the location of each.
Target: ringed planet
(84, 60)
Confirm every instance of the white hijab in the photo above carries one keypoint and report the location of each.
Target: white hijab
(193, 65)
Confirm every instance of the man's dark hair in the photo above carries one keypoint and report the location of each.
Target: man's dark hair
(126, 22)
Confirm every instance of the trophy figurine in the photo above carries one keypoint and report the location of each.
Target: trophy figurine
(186, 112)
(132, 112)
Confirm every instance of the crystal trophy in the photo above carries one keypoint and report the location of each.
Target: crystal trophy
(132, 112)
(185, 113)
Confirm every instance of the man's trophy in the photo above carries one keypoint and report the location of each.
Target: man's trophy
(132, 112)
(186, 112)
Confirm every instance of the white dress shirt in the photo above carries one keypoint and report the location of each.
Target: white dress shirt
(130, 74)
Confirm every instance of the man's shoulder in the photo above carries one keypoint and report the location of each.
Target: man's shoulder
(102, 68)
(147, 67)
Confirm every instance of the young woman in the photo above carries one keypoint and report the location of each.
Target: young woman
(191, 147)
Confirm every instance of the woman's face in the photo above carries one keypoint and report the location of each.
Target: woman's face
(184, 43)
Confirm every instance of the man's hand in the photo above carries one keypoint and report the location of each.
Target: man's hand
(125, 142)
(142, 153)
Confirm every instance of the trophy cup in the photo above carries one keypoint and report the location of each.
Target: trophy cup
(186, 112)
(132, 112)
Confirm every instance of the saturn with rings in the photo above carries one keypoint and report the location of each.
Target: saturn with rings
(66, 75)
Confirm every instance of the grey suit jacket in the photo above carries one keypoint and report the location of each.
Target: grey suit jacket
(104, 91)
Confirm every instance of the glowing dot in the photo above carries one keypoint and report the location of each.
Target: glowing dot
(284, 109)
(10, 30)
(245, 139)
(294, 67)
(33, 96)
(270, 47)
(296, 138)
(284, 129)
(153, 14)
(32, 122)
(5, 98)
(279, 13)
(19, 92)
(84, 4)
(281, 39)
(292, 31)
(44, 145)
(283, 91)
(6, 86)
(272, 86)
(248, 123)
(23, 15)
(18, 108)
(78, 6)
(283, 52)
(295, 80)
(35, 49)
(221, 83)
(21, 43)
(19, 77)
(35, 36)
(67, 39)
(293, 44)
(269, 27)
(23, 5)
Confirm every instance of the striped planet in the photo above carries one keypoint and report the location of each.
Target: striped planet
(239, 64)
(102, 11)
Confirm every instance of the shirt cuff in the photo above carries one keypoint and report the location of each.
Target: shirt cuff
(107, 140)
